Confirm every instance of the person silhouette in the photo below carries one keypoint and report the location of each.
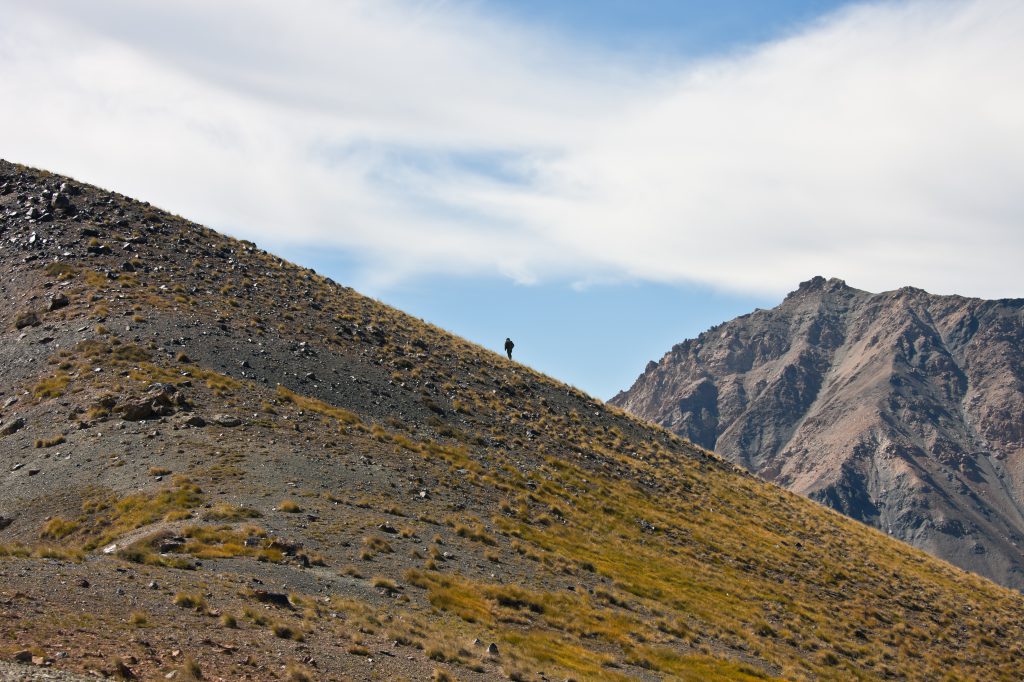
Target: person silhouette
(508, 347)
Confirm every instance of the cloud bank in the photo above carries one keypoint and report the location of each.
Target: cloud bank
(883, 144)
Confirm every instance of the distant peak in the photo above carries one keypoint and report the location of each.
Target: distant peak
(815, 282)
(819, 283)
(912, 291)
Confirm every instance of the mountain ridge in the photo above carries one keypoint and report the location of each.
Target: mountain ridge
(901, 409)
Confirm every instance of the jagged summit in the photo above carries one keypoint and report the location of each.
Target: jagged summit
(819, 283)
(902, 409)
(218, 463)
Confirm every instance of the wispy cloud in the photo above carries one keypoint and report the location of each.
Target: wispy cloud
(883, 144)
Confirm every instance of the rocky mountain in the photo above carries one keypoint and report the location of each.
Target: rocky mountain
(904, 410)
(218, 465)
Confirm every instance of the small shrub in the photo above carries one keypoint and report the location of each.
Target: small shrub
(228, 512)
(189, 601)
(289, 507)
(52, 387)
(190, 670)
(121, 669)
(62, 553)
(283, 631)
(58, 528)
(255, 616)
(295, 672)
(378, 544)
(385, 584)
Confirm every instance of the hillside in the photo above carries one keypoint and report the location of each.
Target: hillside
(903, 409)
(221, 465)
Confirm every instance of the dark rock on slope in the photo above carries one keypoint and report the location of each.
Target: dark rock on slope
(903, 409)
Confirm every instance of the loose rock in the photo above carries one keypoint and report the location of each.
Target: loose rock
(11, 426)
(26, 319)
(58, 301)
(227, 420)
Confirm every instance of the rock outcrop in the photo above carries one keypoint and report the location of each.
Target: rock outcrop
(902, 409)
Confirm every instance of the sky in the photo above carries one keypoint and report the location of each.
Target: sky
(598, 180)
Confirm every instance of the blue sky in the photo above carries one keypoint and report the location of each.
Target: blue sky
(598, 337)
(598, 180)
(668, 27)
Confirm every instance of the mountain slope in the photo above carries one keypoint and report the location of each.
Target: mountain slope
(218, 463)
(904, 410)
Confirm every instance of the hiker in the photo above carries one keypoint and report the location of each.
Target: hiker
(508, 347)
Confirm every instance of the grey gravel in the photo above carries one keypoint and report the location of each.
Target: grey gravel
(15, 672)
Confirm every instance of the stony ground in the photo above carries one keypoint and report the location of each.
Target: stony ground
(218, 465)
(20, 672)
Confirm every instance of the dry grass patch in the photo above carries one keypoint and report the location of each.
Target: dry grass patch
(52, 386)
(343, 416)
(190, 600)
(58, 528)
(223, 511)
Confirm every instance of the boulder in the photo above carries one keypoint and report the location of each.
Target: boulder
(9, 427)
(28, 318)
(122, 671)
(286, 547)
(136, 410)
(226, 420)
(58, 301)
(60, 200)
(173, 544)
(273, 598)
(159, 401)
(194, 421)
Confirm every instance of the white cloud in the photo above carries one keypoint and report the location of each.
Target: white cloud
(883, 144)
